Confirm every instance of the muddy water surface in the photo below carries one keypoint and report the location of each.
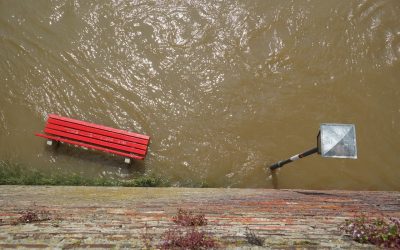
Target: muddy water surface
(222, 87)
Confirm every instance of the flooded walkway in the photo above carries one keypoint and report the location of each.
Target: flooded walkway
(223, 88)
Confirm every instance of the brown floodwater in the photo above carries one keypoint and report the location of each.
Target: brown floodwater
(223, 88)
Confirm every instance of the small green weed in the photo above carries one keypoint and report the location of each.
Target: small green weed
(382, 232)
(252, 238)
(14, 174)
(147, 238)
(32, 216)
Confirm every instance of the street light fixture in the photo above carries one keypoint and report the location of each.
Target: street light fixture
(333, 140)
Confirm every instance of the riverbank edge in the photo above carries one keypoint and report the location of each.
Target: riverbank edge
(124, 217)
(15, 174)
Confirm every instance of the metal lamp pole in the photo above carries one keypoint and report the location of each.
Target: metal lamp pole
(333, 140)
(293, 158)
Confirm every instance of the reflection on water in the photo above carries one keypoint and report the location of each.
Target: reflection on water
(224, 88)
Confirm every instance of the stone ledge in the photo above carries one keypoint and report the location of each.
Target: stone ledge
(118, 217)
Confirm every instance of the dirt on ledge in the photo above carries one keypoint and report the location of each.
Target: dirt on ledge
(136, 218)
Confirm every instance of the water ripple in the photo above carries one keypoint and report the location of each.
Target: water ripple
(218, 85)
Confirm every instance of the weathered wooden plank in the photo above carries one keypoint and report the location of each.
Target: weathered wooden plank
(94, 141)
(96, 136)
(53, 116)
(57, 138)
(52, 121)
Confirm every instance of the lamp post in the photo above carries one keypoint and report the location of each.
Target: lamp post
(333, 140)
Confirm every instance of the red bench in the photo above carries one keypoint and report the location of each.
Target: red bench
(93, 136)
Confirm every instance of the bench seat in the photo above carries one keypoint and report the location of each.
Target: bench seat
(89, 135)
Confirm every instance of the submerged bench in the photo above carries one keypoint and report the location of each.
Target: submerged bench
(88, 135)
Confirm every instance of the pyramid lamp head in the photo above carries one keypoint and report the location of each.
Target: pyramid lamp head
(337, 140)
(333, 140)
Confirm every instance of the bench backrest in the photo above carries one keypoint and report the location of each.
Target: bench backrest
(100, 137)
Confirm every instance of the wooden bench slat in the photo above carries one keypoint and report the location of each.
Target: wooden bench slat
(96, 136)
(94, 141)
(56, 138)
(97, 131)
(89, 135)
(99, 126)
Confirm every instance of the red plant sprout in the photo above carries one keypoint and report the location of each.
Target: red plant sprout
(192, 239)
(379, 231)
(187, 218)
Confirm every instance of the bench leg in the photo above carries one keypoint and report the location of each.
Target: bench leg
(127, 160)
